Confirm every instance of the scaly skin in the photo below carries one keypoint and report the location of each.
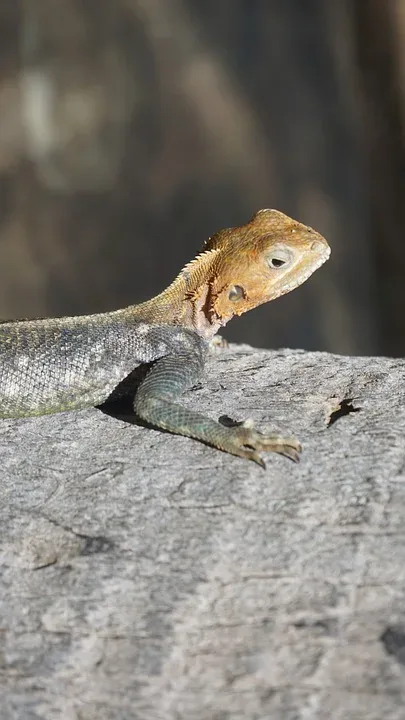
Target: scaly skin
(60, 364)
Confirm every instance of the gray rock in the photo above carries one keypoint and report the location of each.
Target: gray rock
(147, 576)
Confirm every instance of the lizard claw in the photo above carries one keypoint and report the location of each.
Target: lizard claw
(247, 442)
(218, 343)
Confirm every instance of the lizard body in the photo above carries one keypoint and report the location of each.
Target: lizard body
(55, 364)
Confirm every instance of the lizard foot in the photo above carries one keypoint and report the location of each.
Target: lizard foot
(247, 442)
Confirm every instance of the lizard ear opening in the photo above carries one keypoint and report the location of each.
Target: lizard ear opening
(236, 292)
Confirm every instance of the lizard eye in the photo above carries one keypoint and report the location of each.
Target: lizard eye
(236, 293)
(279, 257)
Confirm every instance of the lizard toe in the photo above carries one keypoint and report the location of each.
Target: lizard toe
(249, 442)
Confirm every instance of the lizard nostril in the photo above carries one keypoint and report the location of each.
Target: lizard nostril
(317, 246)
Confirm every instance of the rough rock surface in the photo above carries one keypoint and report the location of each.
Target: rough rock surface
(147, 576)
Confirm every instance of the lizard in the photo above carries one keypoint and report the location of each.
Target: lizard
(50, 365)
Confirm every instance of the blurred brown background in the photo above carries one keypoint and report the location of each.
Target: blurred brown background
(130, 130)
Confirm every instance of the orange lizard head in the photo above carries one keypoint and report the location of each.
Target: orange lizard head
(238, 269)
(246, 266)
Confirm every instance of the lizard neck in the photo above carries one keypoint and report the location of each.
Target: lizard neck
(186, 302)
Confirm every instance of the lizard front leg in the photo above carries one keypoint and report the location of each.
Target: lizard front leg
(154, 402)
